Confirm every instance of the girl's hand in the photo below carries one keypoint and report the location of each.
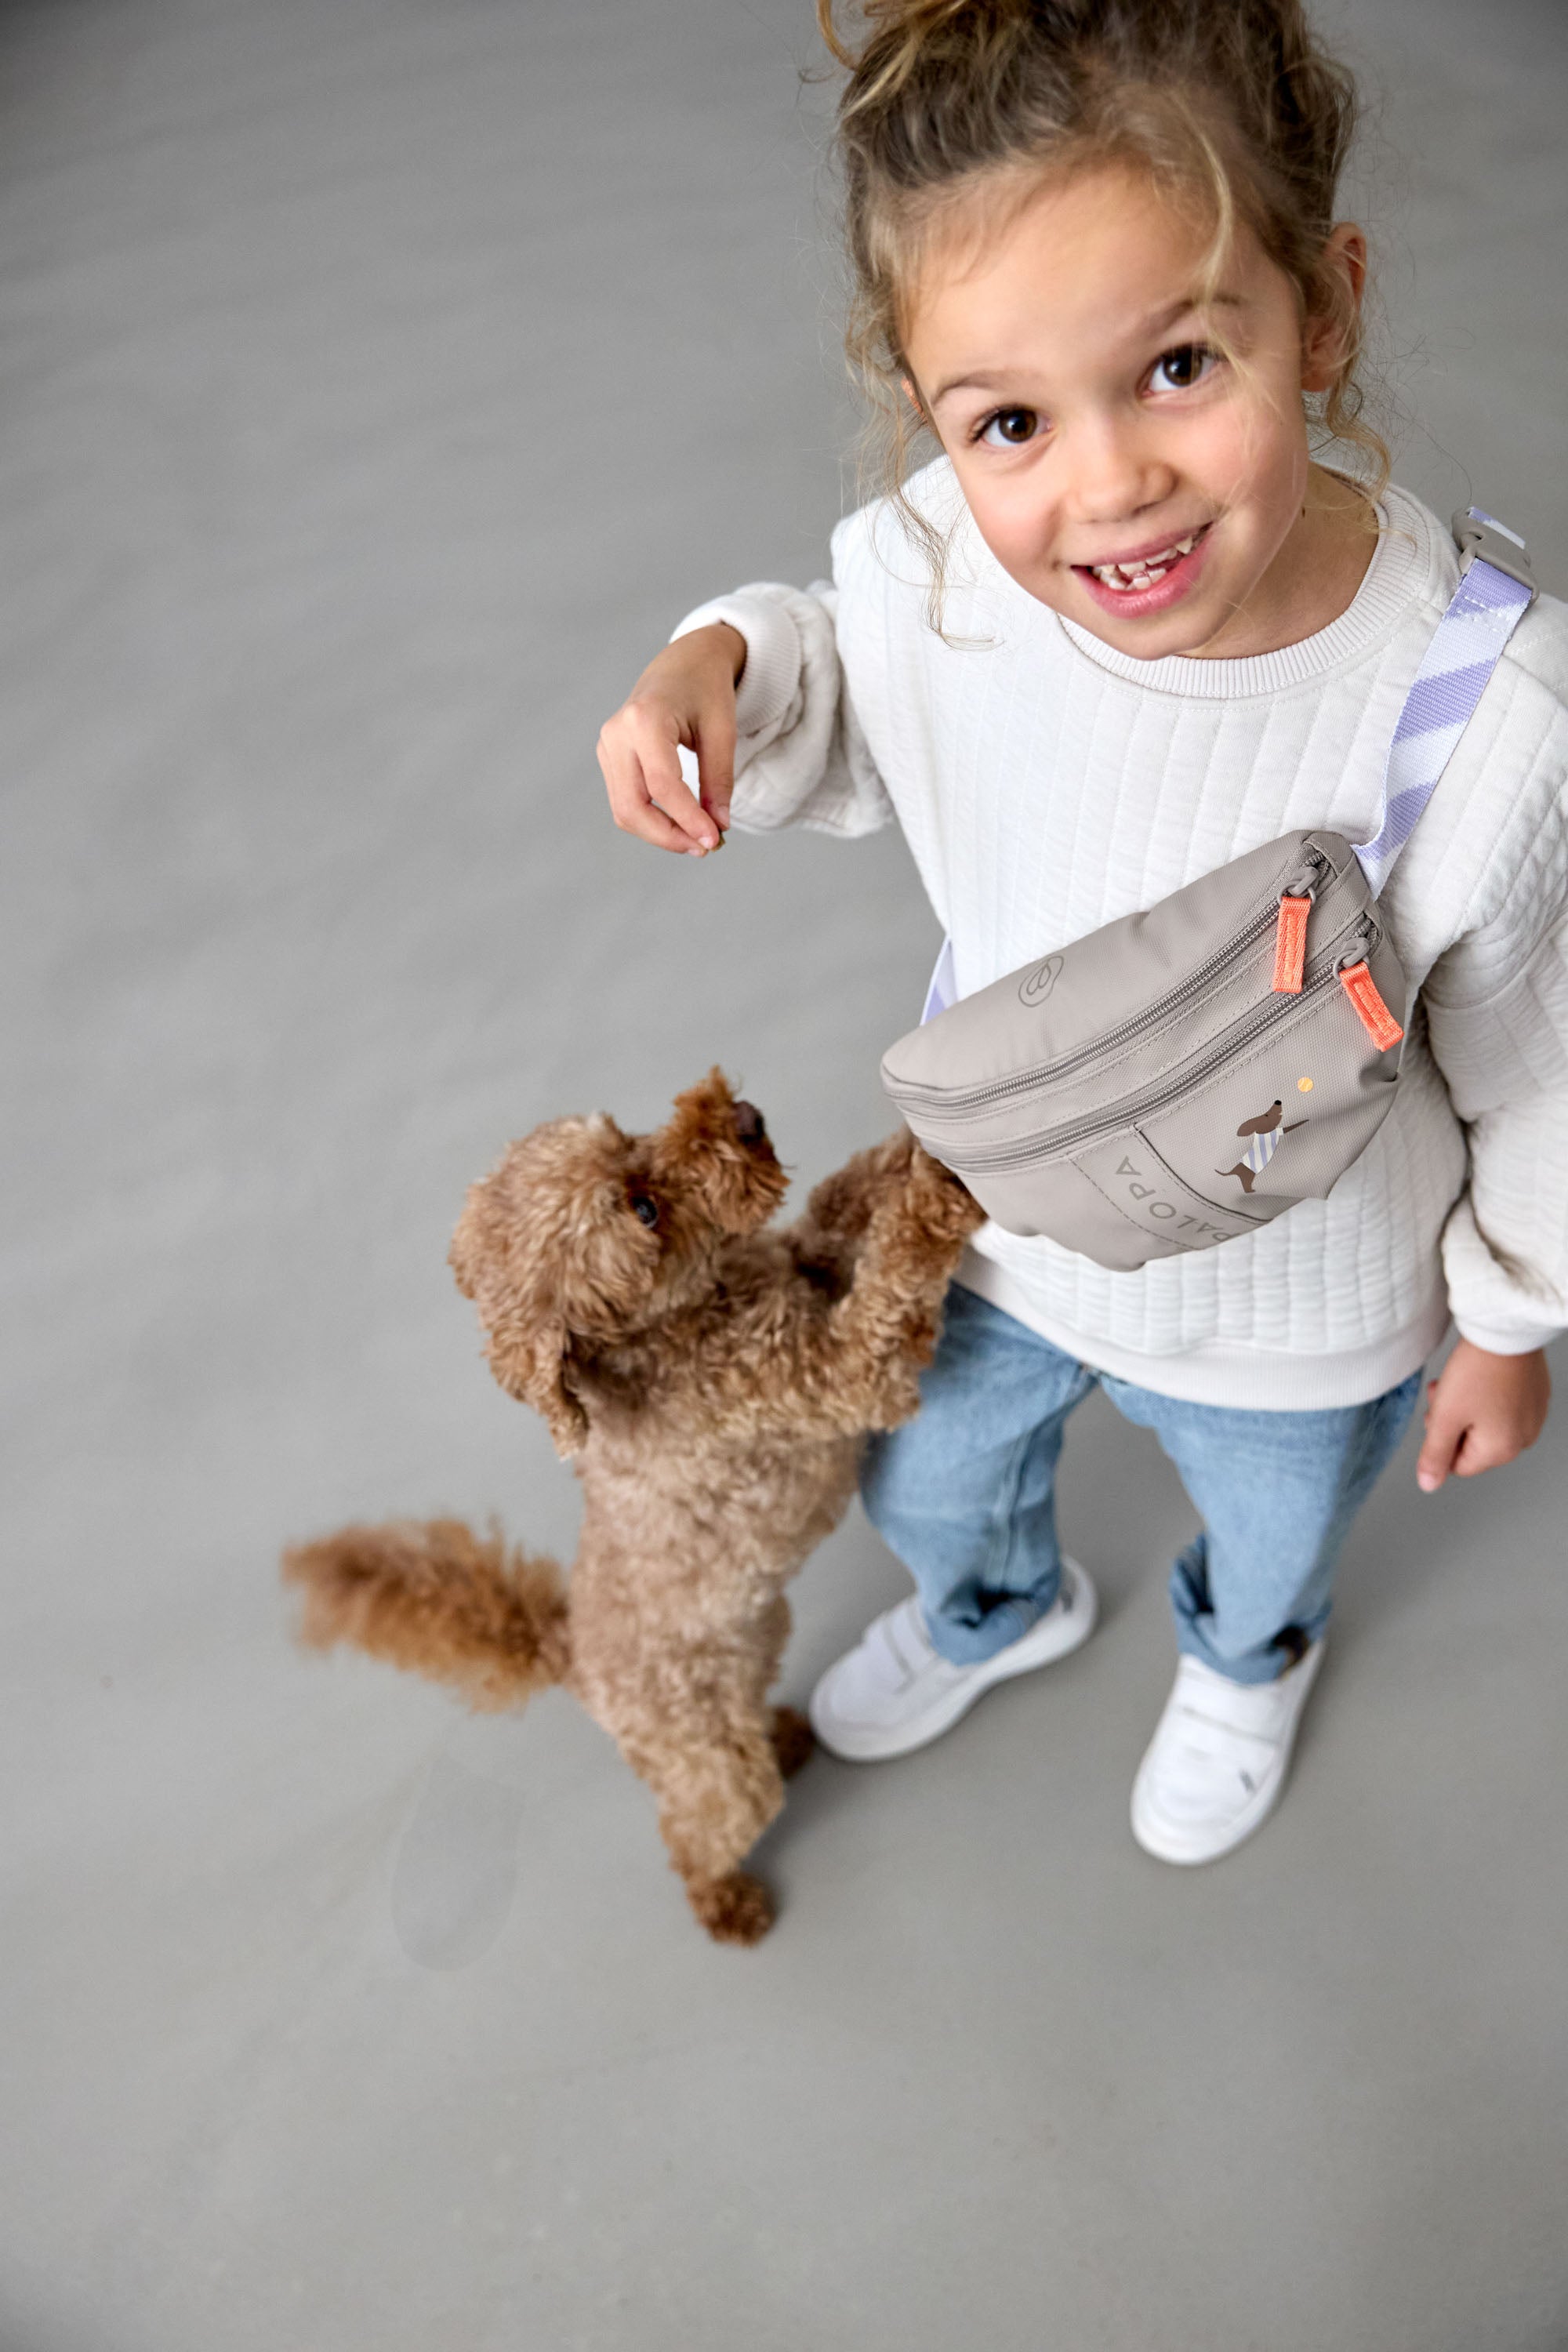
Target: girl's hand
(1481, 1412)
(686, 695)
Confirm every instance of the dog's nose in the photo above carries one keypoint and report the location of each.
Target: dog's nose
(749, 1124)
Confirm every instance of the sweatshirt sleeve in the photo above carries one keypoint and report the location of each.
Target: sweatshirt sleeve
(802, 758)
(1502, 1043)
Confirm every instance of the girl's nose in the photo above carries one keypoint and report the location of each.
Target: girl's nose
(1113, 474)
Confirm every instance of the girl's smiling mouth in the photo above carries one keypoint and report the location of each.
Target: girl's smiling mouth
(1149, 579)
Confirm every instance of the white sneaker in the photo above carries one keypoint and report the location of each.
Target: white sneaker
(894, 1692)
(1217, 1764)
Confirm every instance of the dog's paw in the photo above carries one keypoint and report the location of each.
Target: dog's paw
(792, 1739)
(735, 1909)
(844, 1203)
(943, 1204)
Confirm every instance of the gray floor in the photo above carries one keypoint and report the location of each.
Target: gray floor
(382, 380)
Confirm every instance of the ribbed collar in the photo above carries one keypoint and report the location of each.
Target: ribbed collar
(1405, 568)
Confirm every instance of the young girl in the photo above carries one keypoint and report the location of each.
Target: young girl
(1120, 632)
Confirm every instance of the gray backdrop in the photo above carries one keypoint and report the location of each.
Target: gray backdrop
(383, 380)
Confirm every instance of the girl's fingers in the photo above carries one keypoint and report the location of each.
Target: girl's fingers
(1458, 1449)
(648, 795)
(1442, 1438)
(1481, 1450)
(650, 824)
(716, 763)
(674, 797)
(684, 699)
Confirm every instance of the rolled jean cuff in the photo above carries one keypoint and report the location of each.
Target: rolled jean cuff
(1007, 1621)
(1267, 1660)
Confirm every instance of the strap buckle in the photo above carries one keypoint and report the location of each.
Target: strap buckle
(1483, 539)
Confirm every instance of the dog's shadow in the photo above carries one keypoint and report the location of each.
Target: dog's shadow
(462, 1856)
(458, 1857)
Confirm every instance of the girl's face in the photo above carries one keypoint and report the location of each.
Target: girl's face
(1116, 464)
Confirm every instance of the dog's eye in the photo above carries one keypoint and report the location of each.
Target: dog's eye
(645, 1209)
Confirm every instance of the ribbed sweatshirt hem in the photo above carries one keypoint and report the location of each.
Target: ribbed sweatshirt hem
(1220, 1373)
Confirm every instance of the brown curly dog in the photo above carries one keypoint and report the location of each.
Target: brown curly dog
(712, 1379)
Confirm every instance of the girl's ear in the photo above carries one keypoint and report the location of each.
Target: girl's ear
(1330, 333)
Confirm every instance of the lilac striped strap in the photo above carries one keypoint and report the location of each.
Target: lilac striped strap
(1494, 593)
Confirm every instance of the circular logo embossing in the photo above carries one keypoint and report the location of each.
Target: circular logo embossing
(1036, 985)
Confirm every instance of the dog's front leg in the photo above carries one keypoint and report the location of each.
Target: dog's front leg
(843, 1205)
(855, 1365)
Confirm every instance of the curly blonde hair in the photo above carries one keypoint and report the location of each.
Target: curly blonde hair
(1231, 108)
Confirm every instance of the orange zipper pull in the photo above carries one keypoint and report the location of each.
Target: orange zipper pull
(1375, 1017)
(1290, 945)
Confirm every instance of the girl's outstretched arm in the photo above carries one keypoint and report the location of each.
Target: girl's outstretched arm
(685, 697)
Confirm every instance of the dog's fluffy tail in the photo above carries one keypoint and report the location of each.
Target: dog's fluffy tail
(440, 1600)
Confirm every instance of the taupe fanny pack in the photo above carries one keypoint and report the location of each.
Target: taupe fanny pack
(1178, 1078)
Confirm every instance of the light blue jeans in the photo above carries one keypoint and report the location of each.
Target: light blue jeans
(966, 1495)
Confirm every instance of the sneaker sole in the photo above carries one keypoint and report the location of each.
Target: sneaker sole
(1072, 1632)
(1165, 1843)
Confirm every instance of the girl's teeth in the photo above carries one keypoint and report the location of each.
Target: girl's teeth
(1153, 567)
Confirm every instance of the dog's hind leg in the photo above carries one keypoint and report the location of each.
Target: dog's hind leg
(716, 1776)
(788, 1730)
(793, 1739)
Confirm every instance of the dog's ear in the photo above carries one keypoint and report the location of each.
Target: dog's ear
(527, 1343)
(473, 1243)
(529, 1358)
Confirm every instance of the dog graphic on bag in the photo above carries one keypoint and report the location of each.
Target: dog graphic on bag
(1267, 1132)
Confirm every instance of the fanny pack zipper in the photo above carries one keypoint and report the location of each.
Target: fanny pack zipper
(1062, 1141)
(945, 1103)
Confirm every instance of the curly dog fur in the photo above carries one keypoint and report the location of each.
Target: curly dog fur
(712, 1376)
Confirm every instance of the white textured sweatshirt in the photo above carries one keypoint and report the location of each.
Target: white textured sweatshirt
(1047, 784)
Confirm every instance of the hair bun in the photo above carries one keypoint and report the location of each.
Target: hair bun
(898, 30)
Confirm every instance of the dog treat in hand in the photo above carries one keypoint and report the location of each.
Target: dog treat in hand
(712, 1376)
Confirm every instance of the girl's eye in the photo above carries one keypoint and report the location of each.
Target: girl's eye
(1180, 370)
(644, 1209)
(1009, 428)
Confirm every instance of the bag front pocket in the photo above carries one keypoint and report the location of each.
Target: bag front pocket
(1142, 1186)
(1282, 1123)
